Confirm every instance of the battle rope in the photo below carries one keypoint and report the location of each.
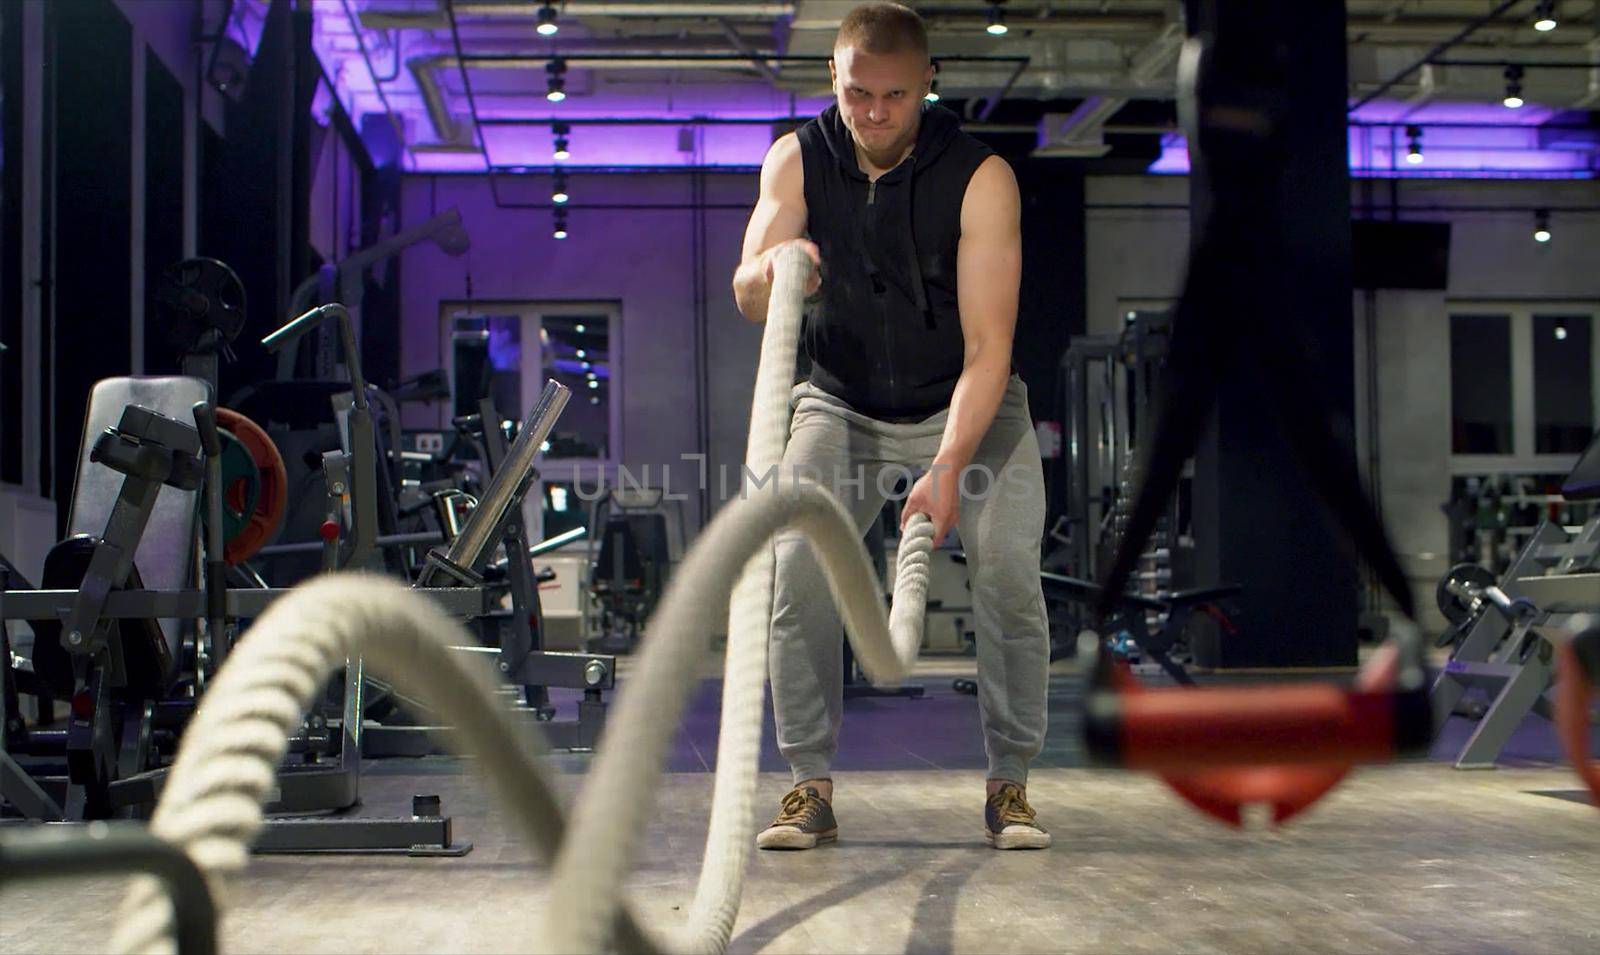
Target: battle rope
(584, 890)
(227, 764)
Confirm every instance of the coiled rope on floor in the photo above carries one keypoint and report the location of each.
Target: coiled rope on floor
(226, 765)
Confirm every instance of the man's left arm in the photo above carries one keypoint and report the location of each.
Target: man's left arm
(988, 278)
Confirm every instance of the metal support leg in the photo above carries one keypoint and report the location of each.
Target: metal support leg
(1517, 696)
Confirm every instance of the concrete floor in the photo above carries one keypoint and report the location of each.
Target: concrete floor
(1406, 858)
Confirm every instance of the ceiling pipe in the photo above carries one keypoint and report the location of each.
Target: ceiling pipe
(422, 69)
(738, 43)
(642, 8)
(438, 18)
(1433, 54)
(1082, 132)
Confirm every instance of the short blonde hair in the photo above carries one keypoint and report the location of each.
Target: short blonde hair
(883, 28)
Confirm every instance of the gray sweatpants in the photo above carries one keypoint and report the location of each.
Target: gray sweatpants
(1001, 524)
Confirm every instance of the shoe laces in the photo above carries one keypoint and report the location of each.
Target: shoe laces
(797, 807)
(1011, 806)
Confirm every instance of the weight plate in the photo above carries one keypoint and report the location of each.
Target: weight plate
(241, 484)
(267, 515)
(196, 297)
(1458, 609)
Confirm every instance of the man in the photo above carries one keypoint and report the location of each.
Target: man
(914, 226)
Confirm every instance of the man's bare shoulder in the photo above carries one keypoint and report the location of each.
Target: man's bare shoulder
(992, 195)
(783, 157)
(993, 179)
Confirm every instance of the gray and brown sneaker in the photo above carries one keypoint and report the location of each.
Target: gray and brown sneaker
(1009, 822)
(805, 821)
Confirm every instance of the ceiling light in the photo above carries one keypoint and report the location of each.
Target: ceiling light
(556, 85)
(1513, 98)
(1544, 18)
(997, 20)
(563, 150)
(547, 21)
(593, 383)
(558, 189)
(1541, 225)
(1561, 333)
(560, 231)
(1414, 149)
(932, 95)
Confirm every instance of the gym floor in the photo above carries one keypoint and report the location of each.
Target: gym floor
(1405, 858)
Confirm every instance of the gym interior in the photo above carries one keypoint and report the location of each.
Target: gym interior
(385, 563)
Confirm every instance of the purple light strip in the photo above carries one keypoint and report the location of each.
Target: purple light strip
(1493, 153)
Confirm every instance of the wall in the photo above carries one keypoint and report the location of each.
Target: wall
(163, 29)
(1134, 254)
(643, 259)
(1139, 254)
(1492, 256)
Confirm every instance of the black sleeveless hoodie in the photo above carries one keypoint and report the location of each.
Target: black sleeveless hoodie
(885, 333)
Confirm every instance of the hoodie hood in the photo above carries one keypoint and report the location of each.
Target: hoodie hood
(891, 249)
(937, 130)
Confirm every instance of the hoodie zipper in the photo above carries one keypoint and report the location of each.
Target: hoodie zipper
(883, 314)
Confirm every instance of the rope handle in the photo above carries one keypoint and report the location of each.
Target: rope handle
(1287, 746)
(1577, 672)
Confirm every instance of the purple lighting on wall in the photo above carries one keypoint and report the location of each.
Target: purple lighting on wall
(622, 145)
(1390, 111)
(1461, 140)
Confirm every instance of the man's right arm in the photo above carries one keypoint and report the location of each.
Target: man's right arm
(779, 219)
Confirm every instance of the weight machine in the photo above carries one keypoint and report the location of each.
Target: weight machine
(1500, 628)
(99, 644)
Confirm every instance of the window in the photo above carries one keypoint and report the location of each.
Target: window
(506, 351)
(1480, 384)
(576, 349)
(1563, 383)
(1522, 394)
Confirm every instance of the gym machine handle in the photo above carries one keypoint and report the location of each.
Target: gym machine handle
(470, 549)
(116, 849)
(363, 464)
(1191, 728)
(1513, 609)
(347, 335)
(205, 420)
(560, 540)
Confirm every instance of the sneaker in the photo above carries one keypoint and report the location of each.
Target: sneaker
(805, 821)
(1008, 821)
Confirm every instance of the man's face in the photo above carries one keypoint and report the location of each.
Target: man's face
(880, 97)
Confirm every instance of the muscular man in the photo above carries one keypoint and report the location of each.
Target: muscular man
(915, 228)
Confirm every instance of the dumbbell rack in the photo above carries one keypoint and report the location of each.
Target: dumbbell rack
(1499, 649)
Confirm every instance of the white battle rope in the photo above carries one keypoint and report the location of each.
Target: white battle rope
(226, 766)
(584, 893)
(227, 763)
